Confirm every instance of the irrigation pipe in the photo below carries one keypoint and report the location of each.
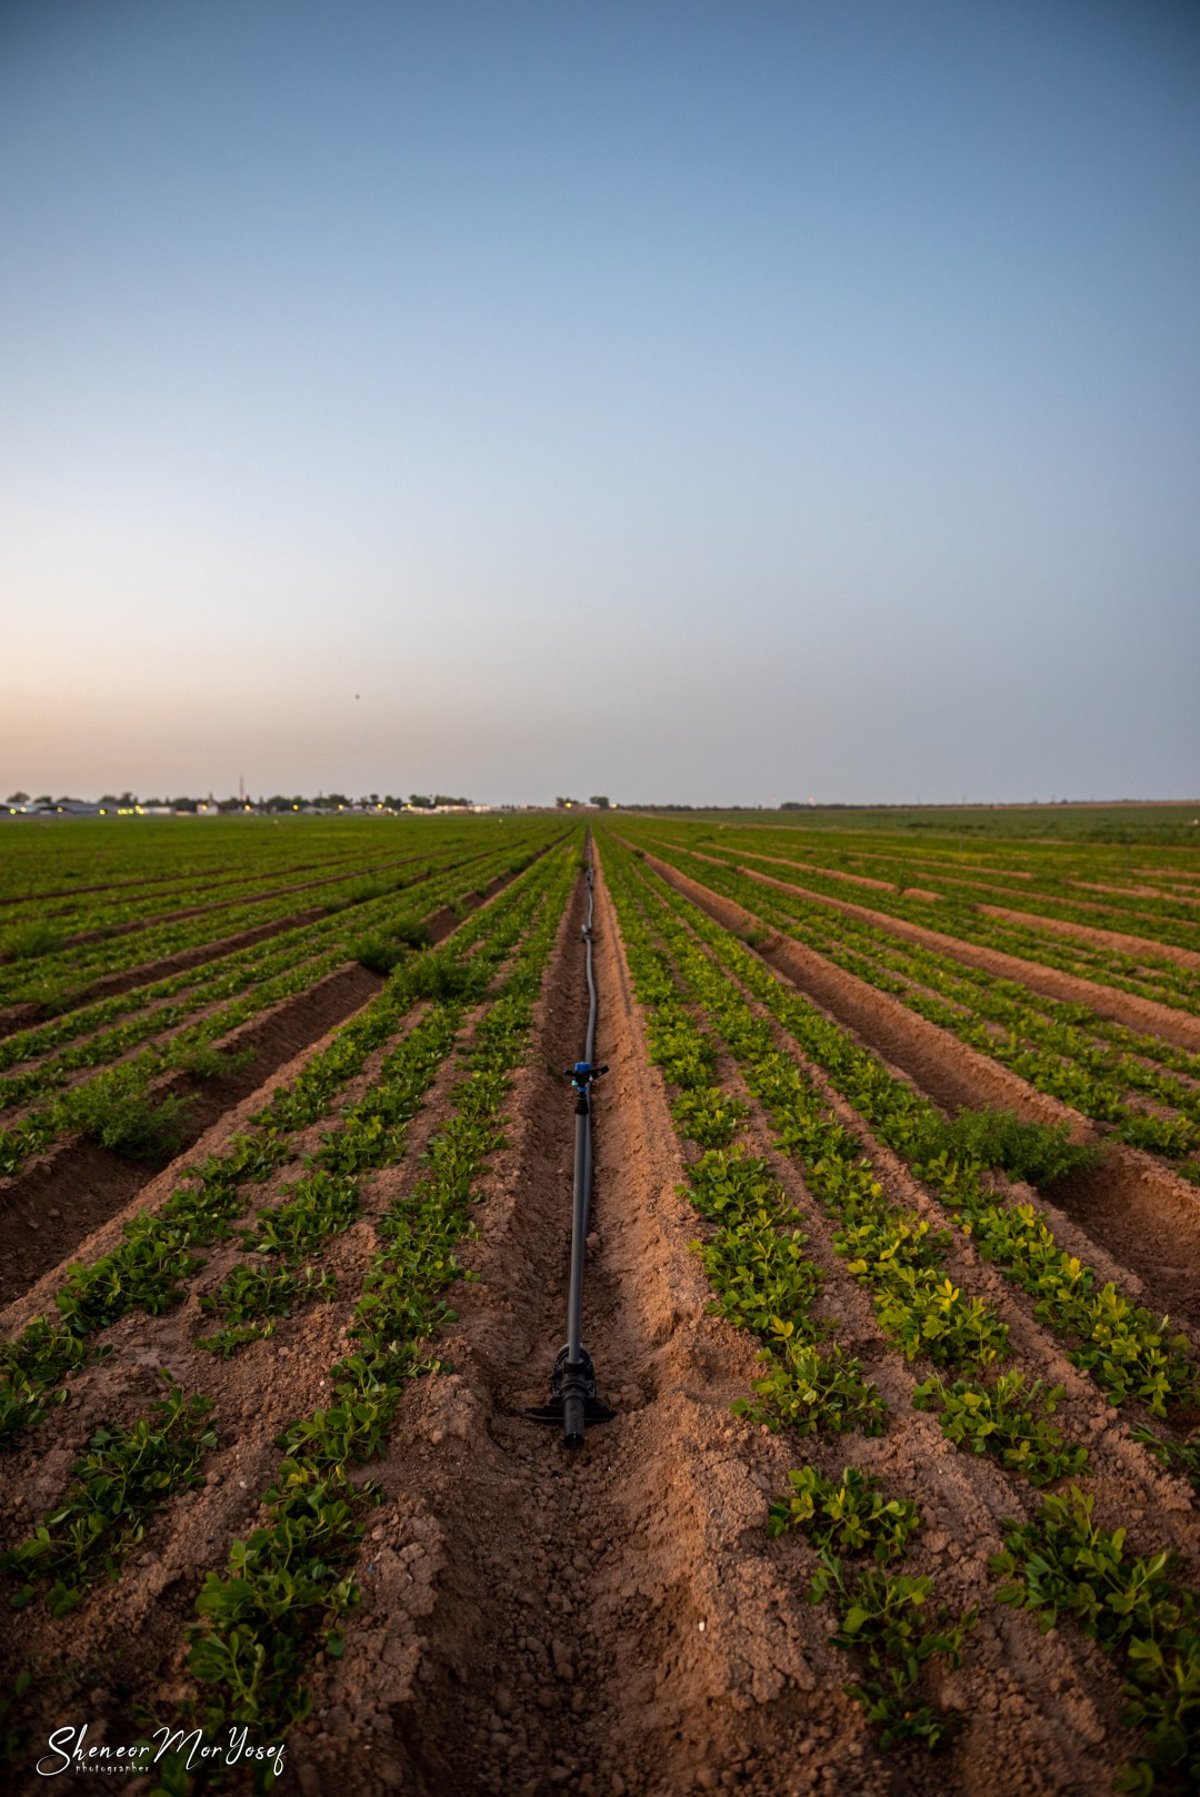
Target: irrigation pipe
(573, 1400)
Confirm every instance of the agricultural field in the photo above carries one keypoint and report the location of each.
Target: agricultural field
(891, 1285)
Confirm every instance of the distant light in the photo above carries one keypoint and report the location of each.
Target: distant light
(103, 812)
(295, 807)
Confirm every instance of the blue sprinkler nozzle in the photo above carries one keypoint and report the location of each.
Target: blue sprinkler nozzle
(582, 1074)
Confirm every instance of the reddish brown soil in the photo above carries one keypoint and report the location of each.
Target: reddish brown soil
(1154, 892)
(626, 1629)
(254, 898)
(19, 1017)
(935, 865)
(613, 1622)
(66, 1193)
(837, 873)
(1121, 1007)
(126, 1645)
(210, 878)
(1130, 945)
(1141, 1212)
(63, 1195)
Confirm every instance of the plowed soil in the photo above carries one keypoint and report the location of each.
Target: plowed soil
(1106, 1001)
(616, 1621)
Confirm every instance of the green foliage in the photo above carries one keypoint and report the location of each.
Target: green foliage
(243, 984)
(708, 1117)
(807, 1390)
(761, 1273)
(319, 1204)
(290, 1582)
(884, 1623)
(1008, 1420)
(1039, 1153)
(384, 950)
(28, 941)
(157, 1253)
(850, 1515)
(124, 1117)
(123, 1478)
(1130, 1353)
(1063, 1565)
(250, 1298)
(1177, 1456)
(205, 1061)
(287, 1584)
(436, 975)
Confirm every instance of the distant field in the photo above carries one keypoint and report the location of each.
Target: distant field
(1133, 822)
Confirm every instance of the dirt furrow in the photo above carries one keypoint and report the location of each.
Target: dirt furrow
(63, 1195)
(1118, 939)
(1106, 1001)
(600, 1622)
(1130, 1204)
(139, 1632)
(154, 919)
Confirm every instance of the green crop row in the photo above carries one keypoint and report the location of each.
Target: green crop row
(1069, 1029)
(100, 1106)
(52, 1050)
(135, 1471)
(895, 1254)
(291, 1581)
(60, 978)
(755, 1258)
(883, 1617)
(1143, 974)
(157, 1252)
(82, 861)
(883, 1622)
(112, 909)
(124, 1477)
(766, 1283)
(1128, 1351)
(1175, 925)
(1055, 1055)
(268, 973)
(1063, 1565)
(228, 974)
(324, 1200)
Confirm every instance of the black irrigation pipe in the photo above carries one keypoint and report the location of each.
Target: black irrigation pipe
(573, 1399)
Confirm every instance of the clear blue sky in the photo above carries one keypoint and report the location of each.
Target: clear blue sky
(683, 401)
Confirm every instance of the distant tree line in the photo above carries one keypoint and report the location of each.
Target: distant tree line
(330, 801)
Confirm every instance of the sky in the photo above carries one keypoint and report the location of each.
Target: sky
(684, 401)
